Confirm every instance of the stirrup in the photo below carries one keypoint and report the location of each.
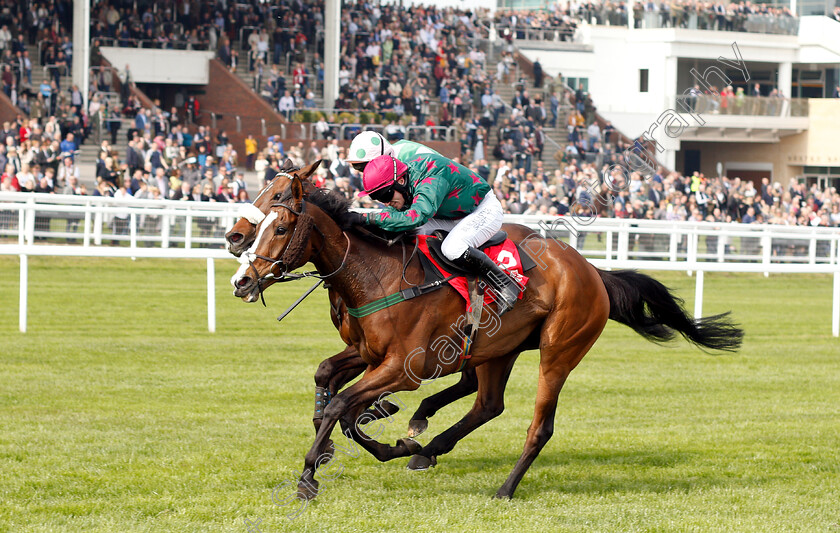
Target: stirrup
(506, 290)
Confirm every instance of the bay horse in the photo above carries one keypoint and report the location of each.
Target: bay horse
(563, 312)
(336, 371)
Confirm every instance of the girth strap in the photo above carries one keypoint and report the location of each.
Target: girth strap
(397, 297)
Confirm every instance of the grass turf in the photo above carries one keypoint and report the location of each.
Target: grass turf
(120, 412)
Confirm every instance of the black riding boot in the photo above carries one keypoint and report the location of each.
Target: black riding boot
(507, 291)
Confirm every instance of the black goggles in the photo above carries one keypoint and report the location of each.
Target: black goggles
(384, 195)
(360, 166)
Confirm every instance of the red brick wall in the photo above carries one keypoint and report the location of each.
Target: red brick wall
(116, 85)
(228, 96)
(8, 111)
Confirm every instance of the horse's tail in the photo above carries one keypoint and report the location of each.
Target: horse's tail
(647, 306)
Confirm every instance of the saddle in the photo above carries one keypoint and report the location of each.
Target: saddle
(435, 241)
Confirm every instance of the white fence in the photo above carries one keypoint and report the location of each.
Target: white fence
(57, 225)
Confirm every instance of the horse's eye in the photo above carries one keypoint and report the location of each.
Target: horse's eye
(277, 196)
(280, 230)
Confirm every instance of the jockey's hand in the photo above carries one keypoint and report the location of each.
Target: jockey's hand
(356, 219)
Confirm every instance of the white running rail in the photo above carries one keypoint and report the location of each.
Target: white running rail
(84, 226)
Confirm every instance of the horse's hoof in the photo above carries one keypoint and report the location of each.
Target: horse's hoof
(412, 445)
(420, 463)
(502, 495)
(416, 427)
(307, 490)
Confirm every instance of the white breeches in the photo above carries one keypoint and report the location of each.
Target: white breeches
(473, 230)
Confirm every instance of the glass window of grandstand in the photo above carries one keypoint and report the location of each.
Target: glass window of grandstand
(804, 8)
(814, 83)
(822, 177)
(575, 83)
(814, 7)
(643, 80)
(520, 4)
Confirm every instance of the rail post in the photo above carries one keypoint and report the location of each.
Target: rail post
(211, 295)
(24, 287)
(188, 230)
(835, 312)
(698, 295)
(86, 241)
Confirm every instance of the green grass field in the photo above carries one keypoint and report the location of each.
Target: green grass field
(120, 412)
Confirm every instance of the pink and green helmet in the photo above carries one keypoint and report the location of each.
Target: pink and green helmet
(380, 173)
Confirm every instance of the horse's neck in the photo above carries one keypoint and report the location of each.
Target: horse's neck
(369, 272)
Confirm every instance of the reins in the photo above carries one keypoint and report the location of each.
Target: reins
(367, 309)
(294, 276)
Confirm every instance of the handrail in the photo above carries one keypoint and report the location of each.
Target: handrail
(768, 106)
(532, 33)
(242, 29)
(40, 50)
(178, 44)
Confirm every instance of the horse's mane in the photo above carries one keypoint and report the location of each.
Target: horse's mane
(336, 205)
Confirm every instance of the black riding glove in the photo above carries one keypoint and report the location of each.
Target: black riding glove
(356, 219)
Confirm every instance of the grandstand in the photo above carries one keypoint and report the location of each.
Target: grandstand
(725, 112)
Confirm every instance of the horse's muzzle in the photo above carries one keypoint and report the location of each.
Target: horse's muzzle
(236, 243)
(246, 287)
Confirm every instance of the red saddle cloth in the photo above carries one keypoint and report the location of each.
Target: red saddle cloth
(505, 255)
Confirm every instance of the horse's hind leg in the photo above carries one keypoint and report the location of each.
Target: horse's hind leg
(467, 385)
(541, 429)
(491, 377)
(563, 343)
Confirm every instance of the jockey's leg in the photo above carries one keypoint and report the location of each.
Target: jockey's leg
(434, 224)
(461, 247)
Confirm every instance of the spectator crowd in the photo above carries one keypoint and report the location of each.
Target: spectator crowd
(423, 63)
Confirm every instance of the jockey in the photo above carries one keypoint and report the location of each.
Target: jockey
(431, 192)
(369, 144)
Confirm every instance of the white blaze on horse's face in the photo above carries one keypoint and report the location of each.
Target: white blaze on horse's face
(248, 257)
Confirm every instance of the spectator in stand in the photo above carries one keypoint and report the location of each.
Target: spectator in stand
(286, 105)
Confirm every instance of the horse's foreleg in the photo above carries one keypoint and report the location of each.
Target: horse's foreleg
(336, 372)
(492, 378)
(467, 385)
(380, 381)
(332, 374)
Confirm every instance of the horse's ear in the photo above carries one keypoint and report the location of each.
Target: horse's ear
(307, 171)
(287, 165)
(297, 191)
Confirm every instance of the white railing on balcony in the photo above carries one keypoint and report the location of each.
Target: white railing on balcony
(59, 225)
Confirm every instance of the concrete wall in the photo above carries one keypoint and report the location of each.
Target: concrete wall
(749, 155)
(815, 147)
(822, 135)
(162, 66)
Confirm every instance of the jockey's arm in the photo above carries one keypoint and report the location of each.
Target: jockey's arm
(427, 199)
